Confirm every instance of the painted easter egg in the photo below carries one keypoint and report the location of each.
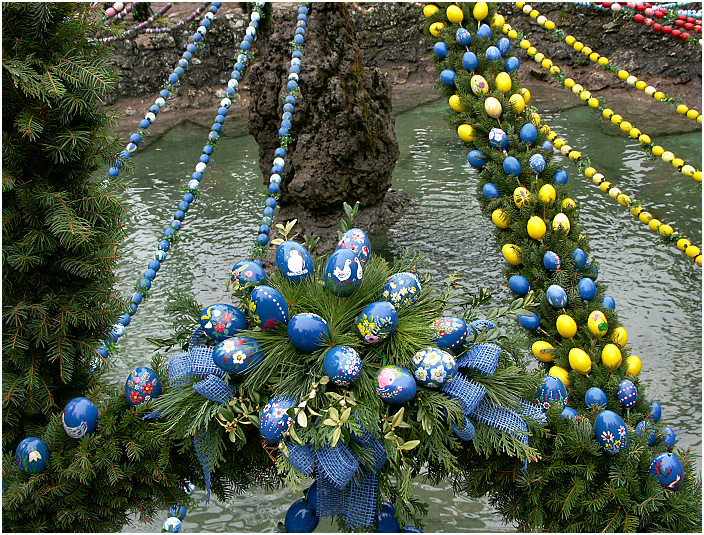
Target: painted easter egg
(312, 496)
(142, 385)
(560, 177)
(484, 32)
(498, 138)
(268, 307)
(385, 520)
(579, 257)
(537, 163)
(611, 356)
(357, 241)
(463, 37)
(551, 261)
(440, 49)
(490, 190)
(294, 261)
(470, 62)
(32, 455)
(627, 394)
(597, 323)
(561, 373)
(521, 196)
(634, 365)
(247, 272)
(402, 289)
(655, 412)
(647, 429)
(308, 332)
(273, 420)
(395, 385)
(543, 351)
(569, 413)
(667, 469)
(450, 332)
(668, 436)
(551, 391)
(620, 337)
(493, 108)
(556, 295)
(222, 321)
(503, 82)
(478, 84)
(512, 253)
(512, 64)
(530, 322)
(434, 367)
(500, 218)
(608, 302)
(586, 289)
(300, 518)
(519, 285)
(566, 326)
(80, 417)
(343, 365)
(611, 432)
(172, 525)
(377, 321)
(529, 133)
(476, 158)
(579, 360)
(595, 398)
(343, 272)
(447, 77)
(561, 222)
(179, 511)
(238, 355)
(493, 54)
(512, 166)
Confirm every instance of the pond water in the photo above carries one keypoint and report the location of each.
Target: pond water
(657, 289)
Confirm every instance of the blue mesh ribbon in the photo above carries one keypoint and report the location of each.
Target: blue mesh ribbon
(359, 499)
(179, 368)
(301, 457)
(215, 389)
(202, 444)
(467, 432)
(502, 418)
(466, 391)
(338, 464)
(481, 357)
(198, 338)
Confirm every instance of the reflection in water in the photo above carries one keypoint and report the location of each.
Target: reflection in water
(657, 291)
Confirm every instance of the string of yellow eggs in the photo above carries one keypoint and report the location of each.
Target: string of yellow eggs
(606, 64)
(616, 119)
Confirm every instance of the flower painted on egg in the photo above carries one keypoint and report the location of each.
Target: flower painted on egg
(220, 327)
(386, 377)
(607, 436)
(269, 324)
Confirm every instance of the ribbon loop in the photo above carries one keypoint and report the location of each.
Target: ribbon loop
(215, 389)
(467, 432)
(468, 392)
(481, 357)
(301, 457)
(338, 464)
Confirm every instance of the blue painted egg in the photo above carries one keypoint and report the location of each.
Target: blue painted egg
(493, 53)
(611, 432)
(579, 257)
(668, 436)
(308, 332)
(529, 133)
(238, 355)
(463, 37)
(356, 240)
(647, 429)
(546, 146)
(608, 302)
(268, 307)
(595, 398)
(172, 525)
(80, 417)
(512, 64)
(519, 285)
(450, 332)
(591, 271)
(402, 289)
(569, 413)
(386, 521)
(560, 177)
(294, 261)
(490, 190)
(343, 365)
(447, 77)
(476, 158)
(312, 496)
(531, 323)
(512, 166)
(667, 469)
(498, 138)
(178, 510)
(343, 272)
(434, 367)
(221, 322)
(586, 289)
(551, 391)
(395, 385)
(504, 45)
(470, 62)
(557, 297)
(477, 326)
(440, 49)
(484, 32)
(551, 261)
(32, 455)
(142, 384)
(627, 394)
(300, 518)
(537, 163)
(655, 411)
(377, 321)
(247, 272)
(273, 421)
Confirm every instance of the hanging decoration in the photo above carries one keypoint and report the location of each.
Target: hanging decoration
(139, 27)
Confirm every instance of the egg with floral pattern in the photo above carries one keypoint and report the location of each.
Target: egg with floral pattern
(268, 307)
(247, 272)
(551, 391)
(478, 85)
(395, 385)
(433, 367)
(343, 365)
(357, 241)
(667, 469)
(343, 272)
(142, 385)
(222, 321)
(294, 261)
(32, 455)
(401, 289)
(377, 322)
(611, 432)
(238, 355)
(273, 420)
(450, 332)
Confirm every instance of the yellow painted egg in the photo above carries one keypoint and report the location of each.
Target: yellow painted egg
(625, 126)
(659, 95)
(521, 196)
(585, 95)
(498, 20)
(517, 103)
(539, 57)
(503, 82)
(547, 194)
(454, 14)
(636, 210)
(697, 176)
(570, 40)
(535, 117)
(687, 170)
(654, 224)
(623, 75)
(666, 230)
(623, 199)
(552, 136)
(634, 365)
(456, 103)
(607, 113)
(692, 114)
(520, 5)
(598, 178)
(466, 133)
(644, 138)
(580, 361)
(480, 11)
(430, 10)
(525, 94)
(578, 46)
(683, 243)
(493, 107)
(589, 172)
(543, 351)
(536, 228)
(566, 326)
(594, 56)
(698, 260)
(620, 337)
(605, 186)
(513, 34)
(512, 254)
(682, 109)
(500, 218)
(634, 133)
(561, 374)
(550, 25)
(534, 14)
(436, 28)
(532, 51)
(699, 119)
(568, 204)
(645, 217)
(574, 155)
(603, 61)
(541, 20)
(616, 119)
(611, 356)
(692, 251)
(559, 143)
(565, 149)
(561, 222)
(524, 44)
(641, 85)
(478, 85)
(667, 156)
(569, 83)
(677, 163)
(586, 51)
(597, 323)
(554, 69)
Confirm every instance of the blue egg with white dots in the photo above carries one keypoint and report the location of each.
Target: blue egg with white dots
(552, 390)
(504, 45)
(484, 32)
(447, 77)
(519, 285)
(537, 163)
(608, 302)
(274, 420)
(498, 138)
(579, 257)
(560, 177)
(440, 49)
(470, 62)
(512, 64)
(463, 37)
(476, 159)
(493, 53)
(627, 394)
(586, 289)
(551, 261)
(490, 190)
(529, 133)
(556, 295)
(595, 398)
(512, 166)
(531, 323)
(343, 365)
(267, 307)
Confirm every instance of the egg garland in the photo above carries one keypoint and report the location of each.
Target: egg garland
(32, 456)
(434, 367)
(142, 385)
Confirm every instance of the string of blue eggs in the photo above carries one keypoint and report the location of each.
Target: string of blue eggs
(134, 31)
(278, 163)
(193, 185)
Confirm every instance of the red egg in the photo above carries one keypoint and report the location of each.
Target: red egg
(648, 22)
(649, 11)
(698, 29)
(686, 36)
(657, 27)
(679, 23)
(640, 7)
(676, 33)
(691, 19)
(648, 4)
(682, 17)
(689, 26)
(606, 4)
(667, 29)
(658, 14)
(639, 18)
